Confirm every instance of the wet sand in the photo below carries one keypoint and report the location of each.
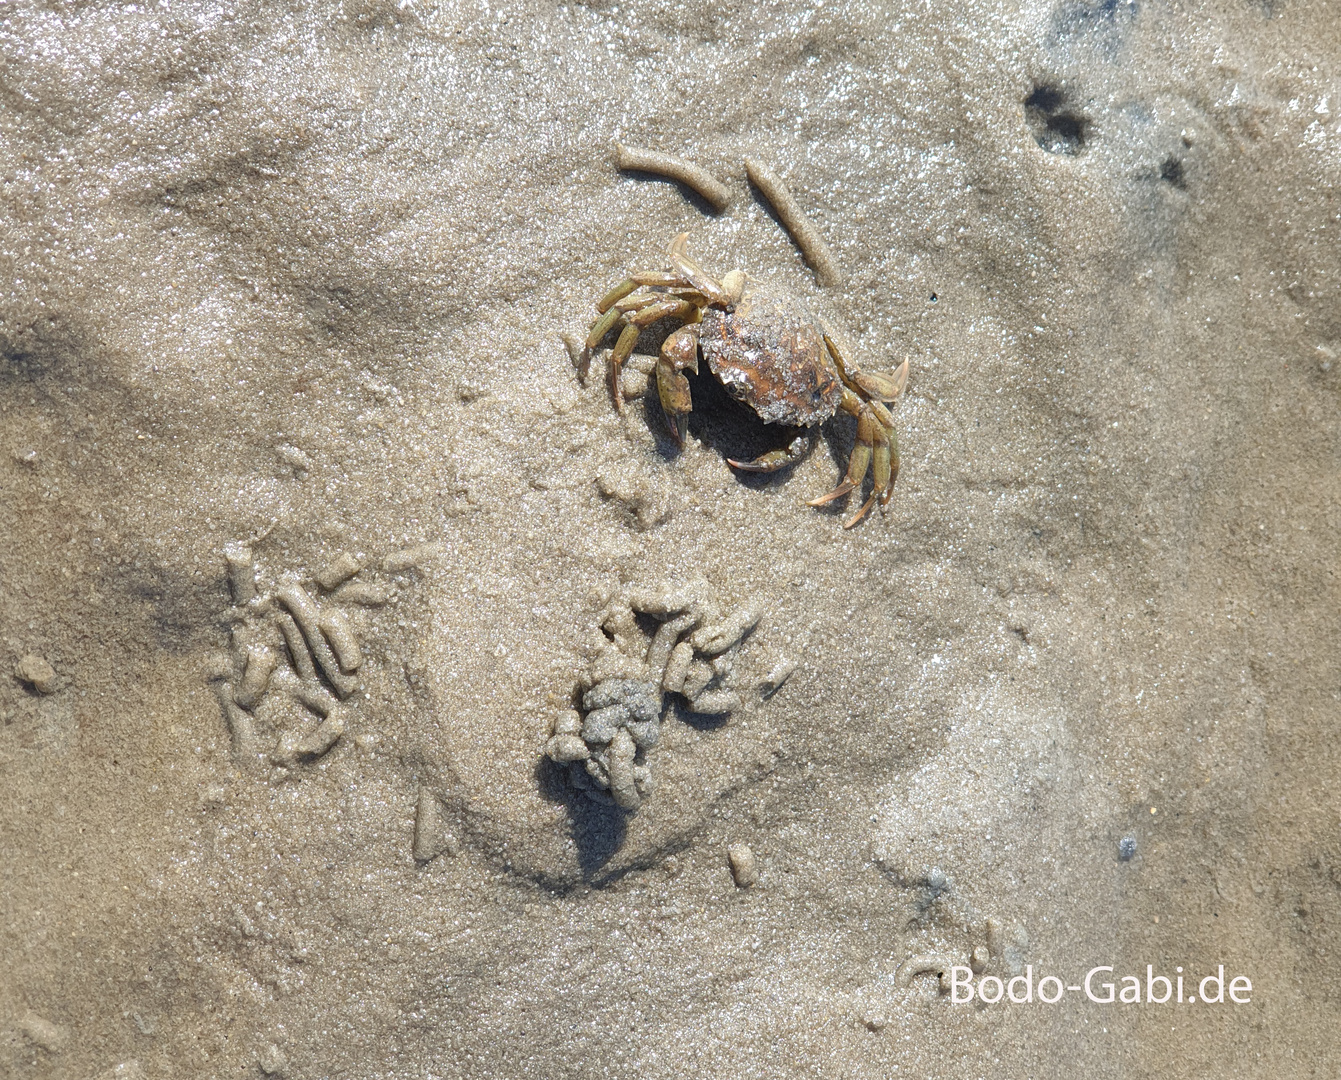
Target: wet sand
(298, 279)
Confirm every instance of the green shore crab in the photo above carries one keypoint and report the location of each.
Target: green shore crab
(769, 350)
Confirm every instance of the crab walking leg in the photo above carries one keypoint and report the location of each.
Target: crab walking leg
(602, 326)
(885, 462)
(615, 295)
(874, 449)
(860, 460)
(628, 338)
(664, 309)
(695, 274)
(776, 459)
(634, 281)
(878, 455)
(679, 351)
(877, 387)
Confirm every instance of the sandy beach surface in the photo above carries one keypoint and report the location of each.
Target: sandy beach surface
(290, 291)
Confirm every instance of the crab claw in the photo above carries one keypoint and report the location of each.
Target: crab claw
(775, 459)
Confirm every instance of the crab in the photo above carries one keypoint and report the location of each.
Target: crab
(769, 350)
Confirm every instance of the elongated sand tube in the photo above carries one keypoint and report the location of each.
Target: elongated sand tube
(240, 726)
(692, 176)
(803, 230)
(308, 617)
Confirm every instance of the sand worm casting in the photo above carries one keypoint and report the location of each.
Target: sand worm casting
(690, 655)
(769, 350)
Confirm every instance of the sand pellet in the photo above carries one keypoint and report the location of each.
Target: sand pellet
(921, 965)
(744, 866)
(42, 1032)
(777, 676)
(663, 641)
(295, 458)
(272, 1061)
(240, 726)
(339, 570)
(341, 636)
(427, 827)
(623, 783)
(255, 676)
(37, 673)
(712, 640)
(978, 961)
(677, 667)
(308, 692)
(601, 725)
(696, 679)
(316, 743)
(296, 646)
(996, 938)
(578, 354)
(632, 383)
(715, 702)
(674, 598)
(566, 748)
(411, 557)
(241, 572)
(692, 176)
(803, 230)
(308, 617)
(364, 594)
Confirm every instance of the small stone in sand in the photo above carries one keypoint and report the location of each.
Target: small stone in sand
(273, 1061)
(37, 673)
(744, 866)
(40, 1031)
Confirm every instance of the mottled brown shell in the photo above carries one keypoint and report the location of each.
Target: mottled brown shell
(770, 354)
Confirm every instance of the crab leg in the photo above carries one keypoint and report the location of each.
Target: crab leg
(669, 308)
(637, 303)
(628, 338)
(885, 466)
(615, 295)
(695, 274)
(875, 449)
(860, 460)
(882, 385)
(775, 459)
(876, 385)
(656, 278)
(601, 327)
